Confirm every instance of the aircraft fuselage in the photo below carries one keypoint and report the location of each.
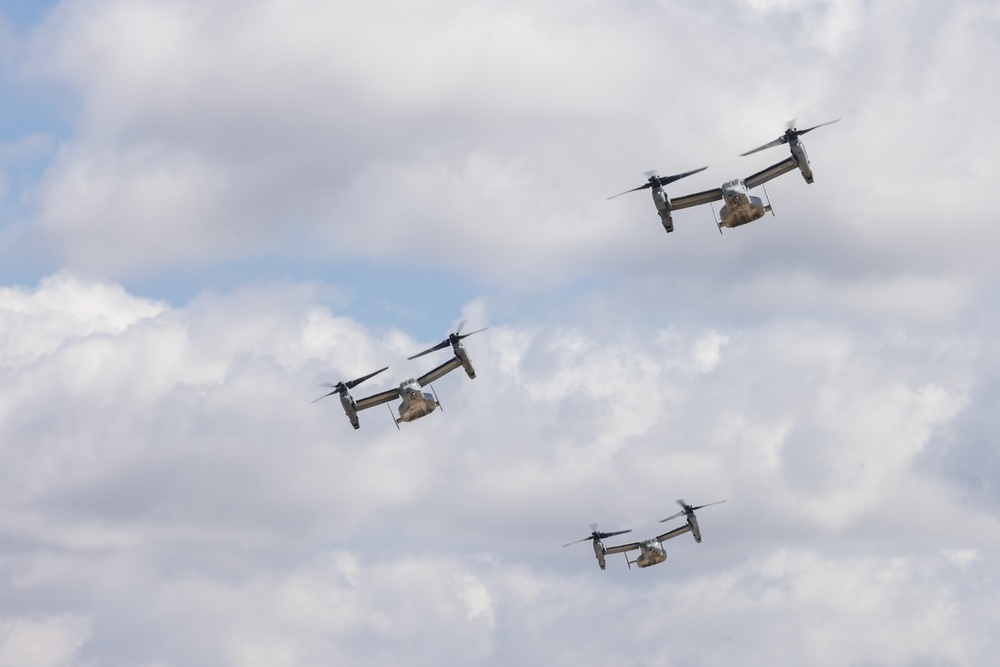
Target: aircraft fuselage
(741, 207)
(651, 552)
(416, 403)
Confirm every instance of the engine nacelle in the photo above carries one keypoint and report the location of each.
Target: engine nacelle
(662, 202)
(350, 409)
(802, 160)
(695, 531)
(466, 362)
(599, 552)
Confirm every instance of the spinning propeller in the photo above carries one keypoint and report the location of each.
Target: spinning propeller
(596, 535)
(791, 135)
(655, 180)
(452, 339)
(688, 509)
(342, 387)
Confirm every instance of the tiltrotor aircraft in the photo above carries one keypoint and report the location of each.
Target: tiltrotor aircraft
(651, 551)
(417, 402)
(740, 206)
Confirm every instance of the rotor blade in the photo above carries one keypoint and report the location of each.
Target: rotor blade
(717, 502)
(470, 333)
(810, 129)
(460, 325)
(327, 384)
(641, 187)
(613, 533)
(440, 346)
(589, 537)
(324, 396)
(356, 382)
(672, 516)
(666, 180)
(598, 535)
(776, 142)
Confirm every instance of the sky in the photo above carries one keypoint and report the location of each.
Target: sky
(210, 207)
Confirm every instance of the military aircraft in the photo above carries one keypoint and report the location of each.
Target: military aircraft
(417, 402)
(651, 551)
(740, 206)
(791, 137)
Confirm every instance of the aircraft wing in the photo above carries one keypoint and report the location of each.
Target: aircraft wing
(697, 199)
(377, 399)
(622, 548)
(439, 372)
(773, 171)
(686, 528)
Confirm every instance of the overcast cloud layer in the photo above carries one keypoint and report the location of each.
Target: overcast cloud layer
(211, 207)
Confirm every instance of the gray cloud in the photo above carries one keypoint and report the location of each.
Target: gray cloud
(170, 495)
(170, 479)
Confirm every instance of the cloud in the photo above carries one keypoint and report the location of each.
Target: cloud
(817, 591)
(215, 131)
(166, 459)
(171, 496)
(47, 642)
(64, 307)
(161, 109)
